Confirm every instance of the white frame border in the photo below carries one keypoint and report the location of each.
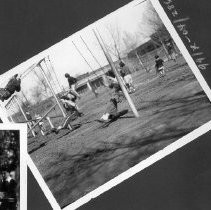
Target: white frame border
(175, 36)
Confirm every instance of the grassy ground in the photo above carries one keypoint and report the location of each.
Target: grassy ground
(75, 163)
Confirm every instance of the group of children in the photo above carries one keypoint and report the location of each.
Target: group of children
(69, 98)
(111, 111)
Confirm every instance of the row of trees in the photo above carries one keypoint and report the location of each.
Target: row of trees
(122, 42)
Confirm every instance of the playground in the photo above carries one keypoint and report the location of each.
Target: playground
(73, 163)
(86, 153)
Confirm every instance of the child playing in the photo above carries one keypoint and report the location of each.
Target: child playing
(68, 101)
(111, 110)
(127, 76)
(14, 85)
(116, 90)
(160, 69)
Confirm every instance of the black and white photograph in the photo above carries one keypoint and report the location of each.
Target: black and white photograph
(12, 168)
(101, 102)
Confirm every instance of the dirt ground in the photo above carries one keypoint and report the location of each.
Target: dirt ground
(75, 163)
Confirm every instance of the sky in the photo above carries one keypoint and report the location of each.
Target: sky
(66, 59)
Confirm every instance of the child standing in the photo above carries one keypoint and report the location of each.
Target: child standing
(160, 69)
(127, 76)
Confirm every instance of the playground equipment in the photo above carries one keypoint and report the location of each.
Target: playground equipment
(45, 74)
(43, 117)
(84, 58)
(96, 60)
(13, 100)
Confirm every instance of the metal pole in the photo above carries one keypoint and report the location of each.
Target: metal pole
(70, 128)
(91, 88)
(139, 59)
(108, 57)
(10, 117)
(43, 117)
(88, 85)
(41, 82)
(27, 71)
(66, 123)
(52, 67)
(42, 132)
(54, 95)
(92, 54)
(8, 102)
(14, 113)
(164, 47)
(31, 68)
(8, 109)
(49, 120)
(26, 104)
(50, 76)
(19, 105)
(84, 58)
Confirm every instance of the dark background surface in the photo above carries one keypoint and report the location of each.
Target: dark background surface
(179, 181)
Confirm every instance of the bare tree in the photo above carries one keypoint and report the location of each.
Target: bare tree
(42, 84)
(130, 41)
(37, 94)
(41, 90)
(156, 29)
(115, 47)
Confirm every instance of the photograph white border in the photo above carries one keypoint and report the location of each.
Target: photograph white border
(147, 162)
(3, 115)
(22, 128)
(175, 36)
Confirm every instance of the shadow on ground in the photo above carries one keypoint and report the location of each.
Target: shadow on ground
(92, 168)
